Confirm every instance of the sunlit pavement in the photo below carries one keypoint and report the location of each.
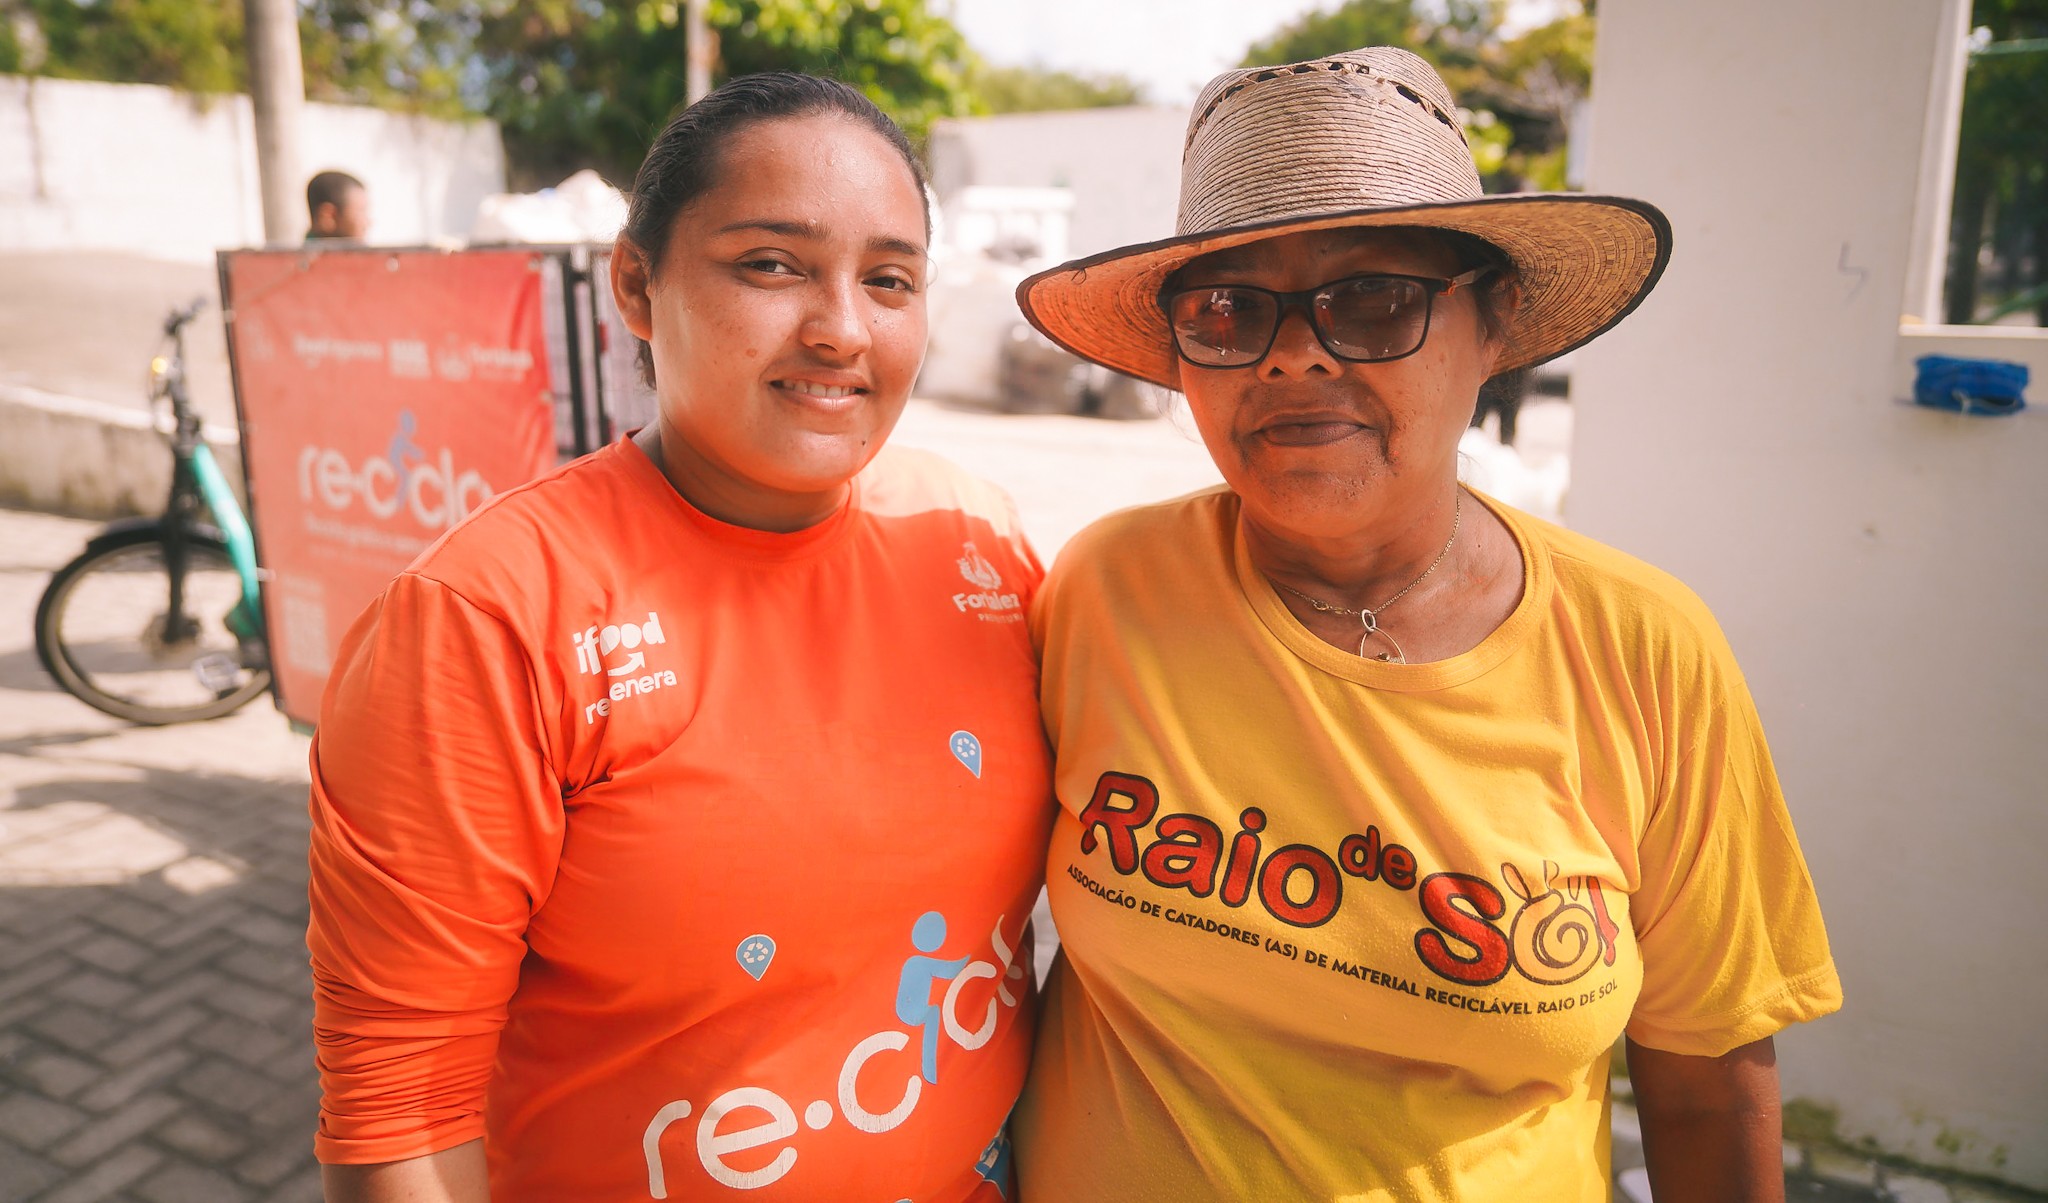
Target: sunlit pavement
(153, 987)
(154, 1009)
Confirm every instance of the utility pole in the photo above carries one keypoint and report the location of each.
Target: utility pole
(277, 90)
(698, 49)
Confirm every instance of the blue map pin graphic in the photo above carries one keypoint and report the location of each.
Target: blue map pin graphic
(967, 750)
(754, 954)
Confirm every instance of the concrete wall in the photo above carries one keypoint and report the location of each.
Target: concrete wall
(1880, 568)
(63, 455)
(1123, 165)
(127, 167)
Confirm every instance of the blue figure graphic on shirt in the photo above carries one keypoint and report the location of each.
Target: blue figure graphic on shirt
(403, 450)
(994, 1166)
(914, 1003)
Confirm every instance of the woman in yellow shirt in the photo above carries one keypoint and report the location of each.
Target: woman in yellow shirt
(1386, 809)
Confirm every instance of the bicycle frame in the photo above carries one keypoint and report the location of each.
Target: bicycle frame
(196, 479)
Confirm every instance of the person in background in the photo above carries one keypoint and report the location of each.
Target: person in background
(677, 818)
(1386, 810)
(338, 207)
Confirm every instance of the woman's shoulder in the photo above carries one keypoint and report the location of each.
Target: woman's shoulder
(909, 480)
(1604, 584)
(536, 532)
(1170, 529)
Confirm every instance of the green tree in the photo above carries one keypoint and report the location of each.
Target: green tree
(1518, 93)
(2001, 191)
(573, 83)
(1035, 90)
(588, 83)
(191, 44)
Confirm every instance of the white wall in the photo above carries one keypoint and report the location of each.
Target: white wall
(1123, 165)
(128, 167)
(1881, 569)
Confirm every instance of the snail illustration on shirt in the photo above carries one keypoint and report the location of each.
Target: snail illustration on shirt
(1555, 938)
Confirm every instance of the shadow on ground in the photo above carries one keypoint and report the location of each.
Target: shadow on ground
(154, 995)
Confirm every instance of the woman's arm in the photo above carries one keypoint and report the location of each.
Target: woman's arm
(1711, 1126)
(450, 1176)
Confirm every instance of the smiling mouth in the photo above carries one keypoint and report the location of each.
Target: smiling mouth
(811, 388)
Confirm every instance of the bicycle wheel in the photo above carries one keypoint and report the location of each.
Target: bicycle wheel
(104, 631)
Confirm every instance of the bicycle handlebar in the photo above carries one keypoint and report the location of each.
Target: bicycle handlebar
(180, 318)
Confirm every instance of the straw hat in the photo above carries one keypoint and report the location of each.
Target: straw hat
(1365, 138)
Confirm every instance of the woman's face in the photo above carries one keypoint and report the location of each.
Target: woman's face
(786, 318)
(1320, 447)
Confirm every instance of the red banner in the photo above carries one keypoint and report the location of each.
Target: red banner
(383, 396)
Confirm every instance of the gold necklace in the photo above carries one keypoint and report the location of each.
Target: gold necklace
(1370, 616)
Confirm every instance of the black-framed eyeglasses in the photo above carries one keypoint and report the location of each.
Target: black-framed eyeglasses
(1362, 319)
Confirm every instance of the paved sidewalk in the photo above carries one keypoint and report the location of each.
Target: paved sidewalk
(154, 997)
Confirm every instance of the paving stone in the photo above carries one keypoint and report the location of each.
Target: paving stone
(195, 983)
(36, 1122)
(198, 1137)
(108, 1132)
(116, 1089)
(17, 953)
(250, 1002)
(228, 1086)
(75, 1028)
(92, 988)
(277, 1160)
(172, 966)
(131, 917)
(271, 968)
(153, 1034)
(262, 928)
(107, 1178)
(113, 953)
(23, 1173)
(191, 1184)
(16, 982)
(58, 1075)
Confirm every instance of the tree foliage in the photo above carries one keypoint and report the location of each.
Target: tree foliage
(190, 44)
(1998, 244)
(1518, 92)
(574, 83)
(1035, 90)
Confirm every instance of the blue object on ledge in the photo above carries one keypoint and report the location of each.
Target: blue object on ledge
(1986, 387)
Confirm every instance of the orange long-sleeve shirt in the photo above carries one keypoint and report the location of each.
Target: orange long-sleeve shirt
(676, 858)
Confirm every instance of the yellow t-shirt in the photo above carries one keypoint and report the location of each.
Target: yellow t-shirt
(1340, 929)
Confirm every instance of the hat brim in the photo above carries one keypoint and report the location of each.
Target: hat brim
(1584, 263)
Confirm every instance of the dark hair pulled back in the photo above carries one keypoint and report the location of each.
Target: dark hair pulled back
(682, 165)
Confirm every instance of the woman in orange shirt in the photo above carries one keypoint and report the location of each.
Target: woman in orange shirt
(677, 818)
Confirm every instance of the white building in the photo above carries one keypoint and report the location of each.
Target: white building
(1880, 568)
(1122, 165)
(149, 170)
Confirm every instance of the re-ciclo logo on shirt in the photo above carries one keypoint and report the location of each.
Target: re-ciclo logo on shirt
(988, 601)
(619, 651)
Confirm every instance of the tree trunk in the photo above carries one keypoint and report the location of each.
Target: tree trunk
(1966, 239)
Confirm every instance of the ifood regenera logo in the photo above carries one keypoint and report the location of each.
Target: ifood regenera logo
(404, 478)
(598, 654)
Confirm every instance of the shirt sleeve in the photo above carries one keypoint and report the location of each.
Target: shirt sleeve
(437, 825)
(1725, 916)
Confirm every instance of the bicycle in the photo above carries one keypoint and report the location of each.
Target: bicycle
(158, 620)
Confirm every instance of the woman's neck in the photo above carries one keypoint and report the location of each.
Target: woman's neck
(717, 492)
(1363, 568)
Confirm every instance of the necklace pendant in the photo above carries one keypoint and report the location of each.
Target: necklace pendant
(1371, 621)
